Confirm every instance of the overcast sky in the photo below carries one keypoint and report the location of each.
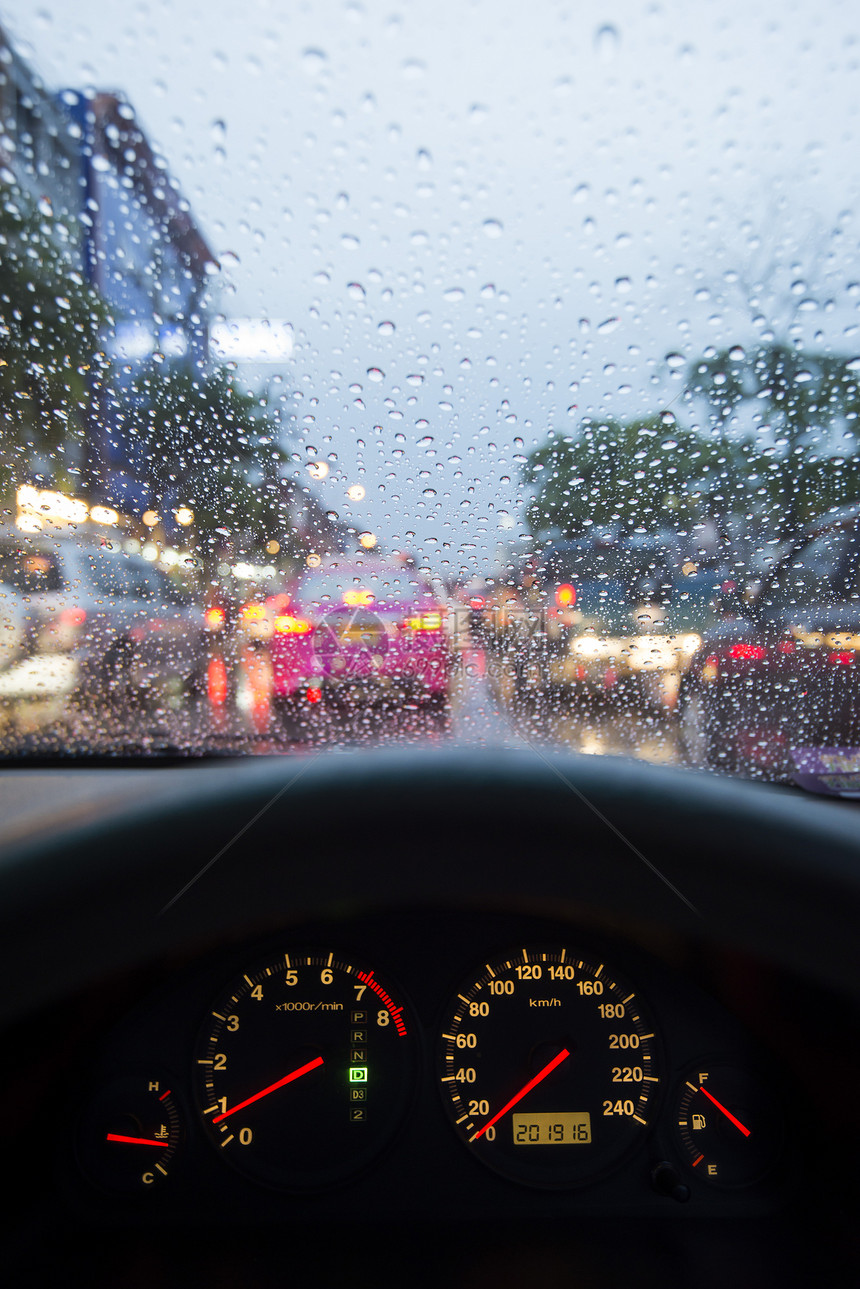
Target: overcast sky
(487, 219)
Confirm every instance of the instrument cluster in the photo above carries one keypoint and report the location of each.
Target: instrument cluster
(508, 1064)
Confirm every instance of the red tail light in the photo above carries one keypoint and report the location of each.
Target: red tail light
(216, 682)
(565, 596)
(751, 651)
(214, 618)
(477, 603)
(278, 603)
(73, 617)
(313, 695)
(841, 657)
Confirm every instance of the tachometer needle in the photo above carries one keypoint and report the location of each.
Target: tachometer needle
(273, 1087)
(532, 1083)
(726, 1112)
(136, 1141)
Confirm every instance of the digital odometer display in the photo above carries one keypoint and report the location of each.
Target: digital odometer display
(546, 1047)
(304, 1068)
(551, 1129)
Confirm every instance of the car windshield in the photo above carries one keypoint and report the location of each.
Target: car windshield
(539, 324)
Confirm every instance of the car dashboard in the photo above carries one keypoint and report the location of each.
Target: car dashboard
(312, 1061)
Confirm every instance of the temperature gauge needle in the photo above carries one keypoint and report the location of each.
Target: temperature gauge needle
(273, 1087)
(731, 1118)
(137, 1141)
(532, 1083)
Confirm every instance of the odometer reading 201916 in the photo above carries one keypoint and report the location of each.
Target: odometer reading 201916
(548, 1066)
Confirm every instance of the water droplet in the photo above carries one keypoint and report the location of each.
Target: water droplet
(608, 325)
(674, 361)
(424, 159)
(100, 163)
(454, 293)
(218, 132)
(623, 285)
(493, 228)
(386, 328)
(853, 364)
(356, 291)
(375, 374)
(425, 441)
(803, 377)
(415, 379)
(45, 207)
(413, 69)
(580, 193)
(606, 42)
(314, 61)
(349, 241)
(419, 238)
(737, 354)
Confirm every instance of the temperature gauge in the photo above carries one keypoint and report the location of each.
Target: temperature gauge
(728, 1124)
(130, 1134)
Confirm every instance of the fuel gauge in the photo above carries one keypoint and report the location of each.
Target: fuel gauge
(130, 1134)
(729, 1125)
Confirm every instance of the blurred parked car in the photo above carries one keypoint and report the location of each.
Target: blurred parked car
(94, 621)
(359, 634)
(781, 671)
(605, 618)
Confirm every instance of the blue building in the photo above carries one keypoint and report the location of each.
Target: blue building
(143, 251)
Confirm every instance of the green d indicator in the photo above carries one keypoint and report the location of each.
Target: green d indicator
(358, 1074)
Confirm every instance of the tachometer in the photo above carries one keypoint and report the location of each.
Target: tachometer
(548, 1065)
(304, 1068)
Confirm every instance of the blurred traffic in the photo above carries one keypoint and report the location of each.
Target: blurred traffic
(603, 645)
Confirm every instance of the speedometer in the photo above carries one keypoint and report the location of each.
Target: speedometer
(548, 1065)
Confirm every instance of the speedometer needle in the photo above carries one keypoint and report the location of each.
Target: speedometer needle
(532, 1083)
(273, 1087)
(731, 1118)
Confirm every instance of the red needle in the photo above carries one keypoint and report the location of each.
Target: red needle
(136, 1141)
(547, 1069)
(273, 1087)
(726, 1112)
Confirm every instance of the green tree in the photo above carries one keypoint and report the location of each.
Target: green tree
(645, 473)
(51, 320)
(786, 406)
(203, 438)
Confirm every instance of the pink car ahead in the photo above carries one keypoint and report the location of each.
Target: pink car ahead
(355, 634)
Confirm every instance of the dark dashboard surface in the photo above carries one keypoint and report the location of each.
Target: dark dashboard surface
(116, 982)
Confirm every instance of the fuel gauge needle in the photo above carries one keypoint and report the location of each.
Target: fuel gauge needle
(731, 1118)
(273, 1087)
(532, 1083)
